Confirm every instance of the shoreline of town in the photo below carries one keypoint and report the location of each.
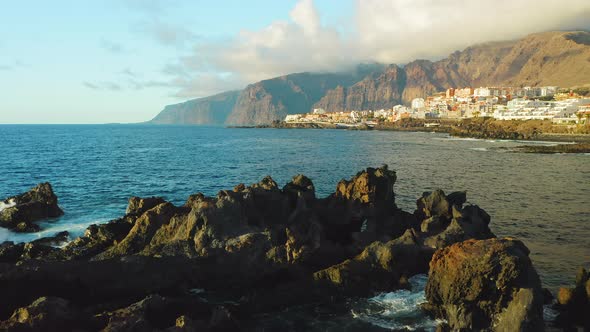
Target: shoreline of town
(445, 128)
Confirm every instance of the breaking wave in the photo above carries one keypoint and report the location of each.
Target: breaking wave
(397, 310)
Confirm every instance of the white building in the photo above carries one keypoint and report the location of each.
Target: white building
(548, 90)
(293, 117)
(398, 109)
(418, 103)
(383, 113)
(482, 92)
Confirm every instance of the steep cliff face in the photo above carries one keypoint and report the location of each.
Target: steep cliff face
(273, 99)
(422, 80)
(550, 58)
(375, 91)
(208, 110)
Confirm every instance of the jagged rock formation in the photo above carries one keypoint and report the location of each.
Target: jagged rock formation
(573, 304)
(218, 263)
(20, 212)
(551, 58)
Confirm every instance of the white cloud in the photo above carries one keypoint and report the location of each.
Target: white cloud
(386, 31)
(169, 34)
(402, 30)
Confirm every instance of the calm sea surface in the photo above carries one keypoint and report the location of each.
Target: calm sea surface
(543, 200)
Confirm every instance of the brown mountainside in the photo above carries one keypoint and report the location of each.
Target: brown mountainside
(549, 58)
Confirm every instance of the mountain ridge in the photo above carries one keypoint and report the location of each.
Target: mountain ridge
(559, 58)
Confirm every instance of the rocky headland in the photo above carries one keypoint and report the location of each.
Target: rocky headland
(231, 261)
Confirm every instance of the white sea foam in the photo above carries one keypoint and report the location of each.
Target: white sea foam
(397, 310)
(528, 142)
(452, 138)
(479, 149)
(75, 227)
(4, 206)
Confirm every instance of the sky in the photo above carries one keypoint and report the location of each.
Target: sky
(122, 61)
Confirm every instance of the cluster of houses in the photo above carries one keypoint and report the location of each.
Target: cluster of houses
(504, 103)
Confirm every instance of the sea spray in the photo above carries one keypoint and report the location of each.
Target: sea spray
(397, 310)
(4, 206)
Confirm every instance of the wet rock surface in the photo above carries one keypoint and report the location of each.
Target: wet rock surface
(220, 263)
(19, 213)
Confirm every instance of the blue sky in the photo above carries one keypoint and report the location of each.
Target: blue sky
(123, 61)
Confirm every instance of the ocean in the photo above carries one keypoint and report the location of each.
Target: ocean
(544, 200)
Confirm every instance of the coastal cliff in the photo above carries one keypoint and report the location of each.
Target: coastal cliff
(559, 58)
(212, 110)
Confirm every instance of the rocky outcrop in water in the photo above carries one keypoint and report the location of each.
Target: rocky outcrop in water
(486, 285)
(223, 262)
(19, 213)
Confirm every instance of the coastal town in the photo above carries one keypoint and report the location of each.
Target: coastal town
(561, 106)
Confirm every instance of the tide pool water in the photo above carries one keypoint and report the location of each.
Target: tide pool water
(94, 169)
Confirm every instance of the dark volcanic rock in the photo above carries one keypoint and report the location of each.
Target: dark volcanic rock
(44, 314)
(300, 185)
(380, 267)
(138, 205)
(142, 232)
(97, 238)
(10, 252)
(20, 212)
(250, 251)
(373, 186)
(444, 220)
(485, 285)
(55, 240)
(573, 304)
(154, 313)
(471, 222)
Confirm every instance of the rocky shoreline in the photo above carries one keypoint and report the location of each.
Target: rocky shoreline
(224, 263)
(468, 128)
(560, 148)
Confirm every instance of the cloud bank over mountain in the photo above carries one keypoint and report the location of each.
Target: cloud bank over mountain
(384, 31)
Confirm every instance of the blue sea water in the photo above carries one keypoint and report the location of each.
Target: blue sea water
(543, 200)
